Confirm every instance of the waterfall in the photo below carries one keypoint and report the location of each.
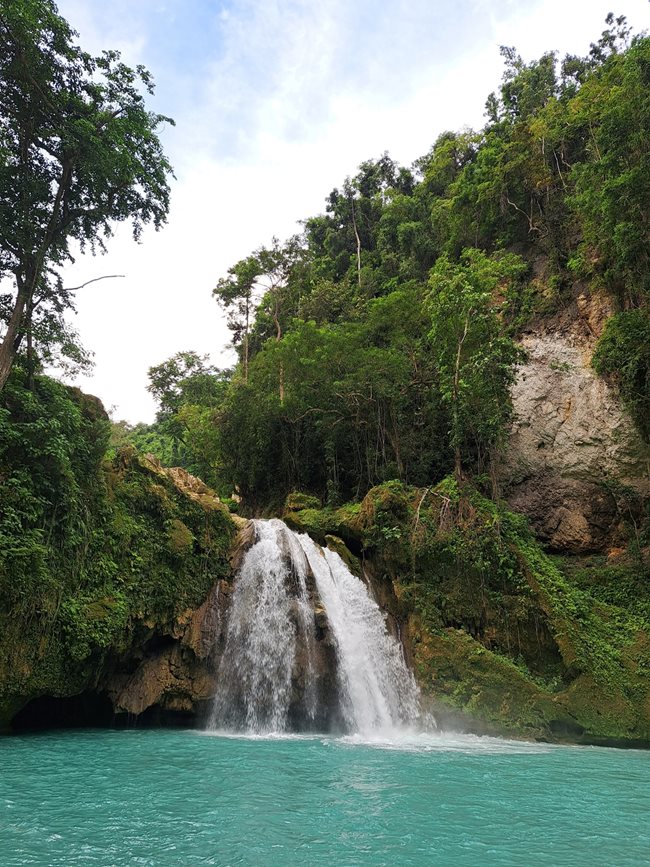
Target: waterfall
(307, 646)
(377, 690)
(269, 613)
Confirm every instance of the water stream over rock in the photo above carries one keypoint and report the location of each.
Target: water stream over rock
(307, 647)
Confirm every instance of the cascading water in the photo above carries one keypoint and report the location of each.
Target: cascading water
(269, 614)
(377, 690)
(307, 646)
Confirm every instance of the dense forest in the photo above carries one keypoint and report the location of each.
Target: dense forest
(379, 342)
(371, 398)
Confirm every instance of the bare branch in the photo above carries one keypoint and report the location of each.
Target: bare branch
(94, 280)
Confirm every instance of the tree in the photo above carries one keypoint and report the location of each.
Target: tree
(476, 361)
(343, 241)
(612, 182)
(78, 152)
(623, 352)
(259, 284)
(235, 293)
(183, 378)
(360, 407)
(189, 392)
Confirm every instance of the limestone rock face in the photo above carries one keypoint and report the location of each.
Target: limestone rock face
(170, 679)
(203, 629)
(571, 445)
(178, 672)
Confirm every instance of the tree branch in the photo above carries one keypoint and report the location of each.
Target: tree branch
(94, 280)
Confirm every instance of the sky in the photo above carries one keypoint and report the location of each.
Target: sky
(275, 103)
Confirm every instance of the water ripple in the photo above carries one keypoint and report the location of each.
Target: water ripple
(177, 798)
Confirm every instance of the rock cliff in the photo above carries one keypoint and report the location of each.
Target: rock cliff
(123, 613)
(575, 464)
(106, 567)
(502, 637)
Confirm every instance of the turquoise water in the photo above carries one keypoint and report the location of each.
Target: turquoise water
(185, 798)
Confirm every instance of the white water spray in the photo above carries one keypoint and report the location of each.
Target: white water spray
(269, 611)
(377, 691)
(269, 675)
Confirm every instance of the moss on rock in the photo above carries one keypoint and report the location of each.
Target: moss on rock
(100, 560)
(500, 633)
(95, 558)
(296, 501)
(319, 523)
(334, 543)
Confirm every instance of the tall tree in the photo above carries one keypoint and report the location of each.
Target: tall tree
(184, 378)
(476, 361)
(236, 294)
(78, 151)
(260, 285)
(188, 391)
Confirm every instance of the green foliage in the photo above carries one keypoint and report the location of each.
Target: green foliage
(79, 151)
(188, 391)
(89, 623)
(379, 344)
(621, 583)
(296, 501)
(185, 434)
(612, 184)
(358, 405)
(51, 441)
(476, 361)
(500, 630)
(145, 438)
(89, 550)
(183, 378)
(181, 538)
(327, 523)
(376, 355)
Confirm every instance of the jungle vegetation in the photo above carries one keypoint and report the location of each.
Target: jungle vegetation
(376, 350)
(378, 342)
(79, 151)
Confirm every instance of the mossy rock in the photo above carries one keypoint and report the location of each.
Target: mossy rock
(503, 635)
(334, 543)
(463, 675)
(180, 538)
(385, 506)
(316, 522)
(131, 547)
(297, 501)
(319, 523)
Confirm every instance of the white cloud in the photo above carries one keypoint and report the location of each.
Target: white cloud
(298, 94)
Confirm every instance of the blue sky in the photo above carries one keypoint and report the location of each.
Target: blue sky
(275, 103)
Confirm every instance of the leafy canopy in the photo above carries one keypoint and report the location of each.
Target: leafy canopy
(78, 151)
(377, 344)
(476, 360)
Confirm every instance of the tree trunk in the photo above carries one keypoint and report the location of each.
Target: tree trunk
(9, 344)
(278, 338)
(356, 234)
(494, 476)
(458, 467)
(27, 287)
(394, 439)
(246, 341)
(31, 361)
